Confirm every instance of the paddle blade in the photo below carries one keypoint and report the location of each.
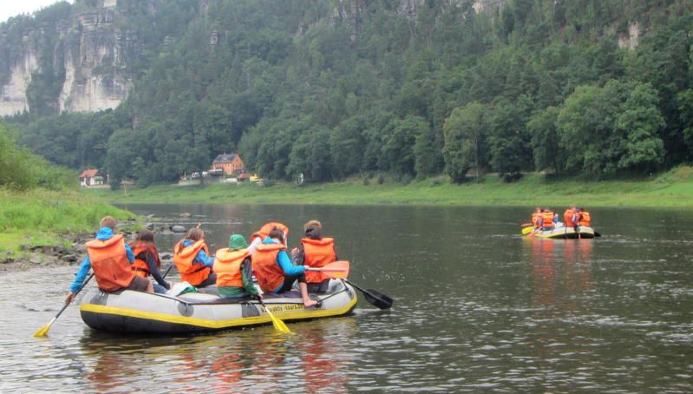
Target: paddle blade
(596, 234)
(377, 299)
(278, 324)
(337, 270)
(527, 230)
(43, 331)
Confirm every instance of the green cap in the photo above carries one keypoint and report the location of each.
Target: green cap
(237, 241)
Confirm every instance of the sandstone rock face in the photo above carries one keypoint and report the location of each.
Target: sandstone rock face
(14, 99)
(92, 50)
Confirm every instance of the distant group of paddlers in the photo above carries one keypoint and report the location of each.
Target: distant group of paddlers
(119, 265)
(545, 219)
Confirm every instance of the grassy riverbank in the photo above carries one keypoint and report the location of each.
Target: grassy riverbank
(46, 217)
(672, 189)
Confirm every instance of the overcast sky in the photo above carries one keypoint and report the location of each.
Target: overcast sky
(10, 8)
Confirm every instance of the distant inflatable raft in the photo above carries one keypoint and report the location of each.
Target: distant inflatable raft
(138, 312)
(563, 232)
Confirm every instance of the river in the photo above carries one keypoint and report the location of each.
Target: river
(477, 309)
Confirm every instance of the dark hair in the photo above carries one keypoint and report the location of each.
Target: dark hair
(145, 235)
(277, 234)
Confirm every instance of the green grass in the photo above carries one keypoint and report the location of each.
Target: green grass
(44, 217)
(672, 189)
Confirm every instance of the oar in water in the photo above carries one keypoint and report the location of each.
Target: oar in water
(340, 270)
(43, 331)
(375, 298)
(276, 322)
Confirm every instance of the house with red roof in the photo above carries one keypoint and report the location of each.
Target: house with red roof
(91, 177)
(230, 163)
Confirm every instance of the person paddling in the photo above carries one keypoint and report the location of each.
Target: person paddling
(111, 259)
(315, 251)
(147, 261)
(257, 237)
(273, 268)
(192, 259)
(234, 270)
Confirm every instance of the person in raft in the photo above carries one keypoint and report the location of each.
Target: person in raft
(315, 251)
(263, 233)
(111, 259)
(192, 259)
(147, 261)
(273, 268)
(536, 218)
(234, 270)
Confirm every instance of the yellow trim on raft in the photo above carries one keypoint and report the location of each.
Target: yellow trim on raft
(214, 324)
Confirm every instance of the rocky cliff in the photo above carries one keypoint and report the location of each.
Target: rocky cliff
(84, 54)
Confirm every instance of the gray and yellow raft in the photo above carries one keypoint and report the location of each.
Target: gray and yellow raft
(563, 232)
(137, 312)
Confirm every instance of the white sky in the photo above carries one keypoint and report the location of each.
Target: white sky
(10, 8)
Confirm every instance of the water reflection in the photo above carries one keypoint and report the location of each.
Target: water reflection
(559, 266)
(252, 360)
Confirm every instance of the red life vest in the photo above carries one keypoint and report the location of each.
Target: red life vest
(227, 265)
(585, 219)
(140, 267)
(110, 262)
(267, 228)
(547, 219)
(267, 270)
(183, 258)
(317, 253)
(568, 217)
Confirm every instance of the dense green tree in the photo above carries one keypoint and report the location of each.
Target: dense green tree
(466, 133)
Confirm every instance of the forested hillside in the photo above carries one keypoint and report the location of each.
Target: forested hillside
(413, 88)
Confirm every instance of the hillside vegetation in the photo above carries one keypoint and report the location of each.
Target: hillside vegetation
(40, 203)
(336, 89)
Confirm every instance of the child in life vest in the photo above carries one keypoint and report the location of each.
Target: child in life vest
(192, 259)
(274, 271)
(147, 262)
(315, 251)
(111, 259)
(234, 270)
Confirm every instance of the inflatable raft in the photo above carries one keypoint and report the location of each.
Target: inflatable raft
(138, 312)
(563, 232)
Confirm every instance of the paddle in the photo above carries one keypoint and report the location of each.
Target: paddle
(527, 230)
(276, 322)
(336, 270)
(43, 331)
(375, 298)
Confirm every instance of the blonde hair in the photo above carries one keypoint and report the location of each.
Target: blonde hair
(108, 221)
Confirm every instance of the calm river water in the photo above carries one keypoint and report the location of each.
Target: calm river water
(478, 309)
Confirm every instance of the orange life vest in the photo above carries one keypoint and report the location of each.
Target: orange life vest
(536, 219)
(547, 219)
(227, 265)
(317, 253)
(568, 217)
(140, 266)
(267, 228)
(268, 272)
(585, 219)
(110, 262)
(184, 258)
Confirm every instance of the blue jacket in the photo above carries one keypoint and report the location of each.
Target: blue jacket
(201, 257)
(104, 234)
